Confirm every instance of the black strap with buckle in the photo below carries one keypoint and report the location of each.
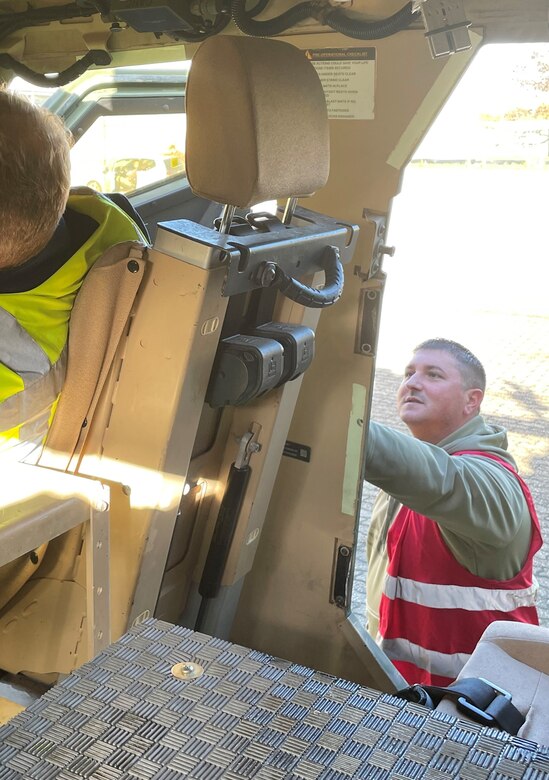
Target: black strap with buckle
(479, 699)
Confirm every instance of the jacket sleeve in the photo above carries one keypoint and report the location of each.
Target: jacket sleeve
(470, 496)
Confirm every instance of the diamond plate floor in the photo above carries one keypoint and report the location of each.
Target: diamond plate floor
(125, 716)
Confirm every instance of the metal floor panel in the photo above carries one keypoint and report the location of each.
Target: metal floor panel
(124, 716)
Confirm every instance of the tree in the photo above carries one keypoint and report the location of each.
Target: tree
(536, 72)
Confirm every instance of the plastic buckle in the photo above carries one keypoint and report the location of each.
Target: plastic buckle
(418, 695)
(475, 713)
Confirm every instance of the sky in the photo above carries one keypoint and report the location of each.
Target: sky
(469, 238)
(493, 82)
(491, 86)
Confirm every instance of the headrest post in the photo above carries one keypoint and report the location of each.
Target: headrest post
(227, 218)
(289, 209)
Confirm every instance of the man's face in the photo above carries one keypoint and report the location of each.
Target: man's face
(432, 400)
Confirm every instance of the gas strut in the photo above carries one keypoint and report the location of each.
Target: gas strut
(227, 517)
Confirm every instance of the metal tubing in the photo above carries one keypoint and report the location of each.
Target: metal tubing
(227, 218)
(289, 209)
(98, 580)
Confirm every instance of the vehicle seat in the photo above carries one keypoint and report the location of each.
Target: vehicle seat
(105, 298)
(515, 657)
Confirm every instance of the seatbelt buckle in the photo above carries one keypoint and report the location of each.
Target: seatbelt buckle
(475, 713)
(417, 695)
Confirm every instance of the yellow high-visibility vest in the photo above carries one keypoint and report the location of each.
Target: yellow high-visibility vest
(34, 329)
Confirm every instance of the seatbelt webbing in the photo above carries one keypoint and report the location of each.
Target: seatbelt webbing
(479, 699)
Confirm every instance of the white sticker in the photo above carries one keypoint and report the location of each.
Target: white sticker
(348, 79)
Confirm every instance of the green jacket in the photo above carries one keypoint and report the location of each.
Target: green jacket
(478, 505)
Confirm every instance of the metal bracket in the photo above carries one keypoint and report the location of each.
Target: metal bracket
(371, 294)
(369, 315)
(248, 445)
(297, 249)
(342, 572)
(98, 578)
(446, 26)
(379, 247)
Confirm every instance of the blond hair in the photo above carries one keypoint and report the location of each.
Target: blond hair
(34, 177)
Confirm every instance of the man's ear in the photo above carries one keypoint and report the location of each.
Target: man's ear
(473, 400)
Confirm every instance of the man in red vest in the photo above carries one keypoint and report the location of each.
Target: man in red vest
(454, 530)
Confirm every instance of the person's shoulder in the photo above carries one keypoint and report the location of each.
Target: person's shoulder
(478, 438)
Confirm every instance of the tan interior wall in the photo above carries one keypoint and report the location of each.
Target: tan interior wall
(54, 47)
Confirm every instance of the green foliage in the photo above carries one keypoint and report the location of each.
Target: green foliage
(536, 73)
(540, 112)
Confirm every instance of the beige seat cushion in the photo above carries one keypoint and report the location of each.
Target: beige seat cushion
(102, 309)
(257, 123)
(514, 656)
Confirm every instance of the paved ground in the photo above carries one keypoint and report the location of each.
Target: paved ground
(472, 265)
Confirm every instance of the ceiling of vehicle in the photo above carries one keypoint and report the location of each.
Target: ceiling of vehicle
(49, 37)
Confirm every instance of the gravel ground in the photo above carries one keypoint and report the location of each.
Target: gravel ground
(471, 265)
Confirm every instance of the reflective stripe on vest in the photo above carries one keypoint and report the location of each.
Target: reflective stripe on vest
(42, 381)
(446, 664)
(458, 596)
(18, 351)
(433, 610)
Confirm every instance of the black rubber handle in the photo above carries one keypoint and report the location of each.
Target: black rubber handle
(223, 534)
(308, 296)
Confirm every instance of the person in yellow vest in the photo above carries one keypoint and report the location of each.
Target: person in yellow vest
(51, 237)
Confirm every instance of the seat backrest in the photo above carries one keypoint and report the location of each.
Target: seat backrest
(99, 317)
(515, 657)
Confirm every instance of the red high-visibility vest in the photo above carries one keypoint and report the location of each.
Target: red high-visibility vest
(433, 611)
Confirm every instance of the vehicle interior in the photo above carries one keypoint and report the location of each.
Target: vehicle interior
(205, 463)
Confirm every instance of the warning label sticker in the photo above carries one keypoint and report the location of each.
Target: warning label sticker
(348, 78)
(298, 451)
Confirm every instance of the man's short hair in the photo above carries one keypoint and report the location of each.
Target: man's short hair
(34, 177)
(471, 369)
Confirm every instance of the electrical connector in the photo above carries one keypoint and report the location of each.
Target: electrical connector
(446, 26)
